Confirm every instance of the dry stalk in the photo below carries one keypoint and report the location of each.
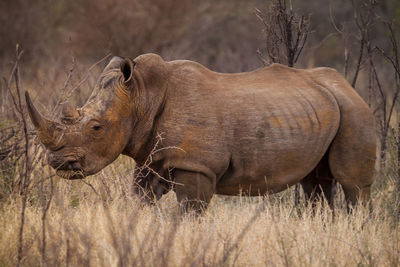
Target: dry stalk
(386, 103)
(45, 208)
(144, 170)
(394, 60)
(285, 32)
(66, 94)
(363, 22)
(18, 151)
(25, 180)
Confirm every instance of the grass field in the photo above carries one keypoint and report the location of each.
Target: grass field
(97, 223)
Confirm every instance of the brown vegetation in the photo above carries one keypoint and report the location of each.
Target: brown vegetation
(83, 229)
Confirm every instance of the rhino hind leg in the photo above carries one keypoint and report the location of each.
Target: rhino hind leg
(352, 155)
(318, 184)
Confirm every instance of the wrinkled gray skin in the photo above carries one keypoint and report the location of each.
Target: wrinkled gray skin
(252, 133)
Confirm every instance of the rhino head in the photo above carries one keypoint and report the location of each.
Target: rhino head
(85, 140)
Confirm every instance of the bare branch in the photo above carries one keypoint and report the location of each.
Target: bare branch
(285, 33)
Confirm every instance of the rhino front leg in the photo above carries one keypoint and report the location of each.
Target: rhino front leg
(149, 188)
(193, 190)
(141, 188)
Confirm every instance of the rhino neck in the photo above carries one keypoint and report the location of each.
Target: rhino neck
(151, 81)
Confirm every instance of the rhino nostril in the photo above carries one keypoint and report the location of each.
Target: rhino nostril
(74, 165)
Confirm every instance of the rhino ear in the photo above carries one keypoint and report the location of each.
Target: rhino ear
(127, 66)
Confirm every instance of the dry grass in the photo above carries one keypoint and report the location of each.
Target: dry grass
(98, 222)
(102, 225)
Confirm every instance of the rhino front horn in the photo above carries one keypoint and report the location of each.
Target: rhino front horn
(46, 129)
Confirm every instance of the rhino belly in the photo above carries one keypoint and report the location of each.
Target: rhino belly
(277, 148)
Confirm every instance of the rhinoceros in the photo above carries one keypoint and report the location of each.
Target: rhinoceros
(247, 133)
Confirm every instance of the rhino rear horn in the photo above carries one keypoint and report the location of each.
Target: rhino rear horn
(46, 129)
(69, 112)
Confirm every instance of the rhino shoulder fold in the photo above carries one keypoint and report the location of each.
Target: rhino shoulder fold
(149, 58)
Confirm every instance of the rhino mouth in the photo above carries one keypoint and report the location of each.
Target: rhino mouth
(70, 174)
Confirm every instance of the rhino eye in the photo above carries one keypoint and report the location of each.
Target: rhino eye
(96, 127)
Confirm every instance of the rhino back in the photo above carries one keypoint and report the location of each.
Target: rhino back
(259, 131)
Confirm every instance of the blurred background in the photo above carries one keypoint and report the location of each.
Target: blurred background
(224, 35)
(66, 44)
